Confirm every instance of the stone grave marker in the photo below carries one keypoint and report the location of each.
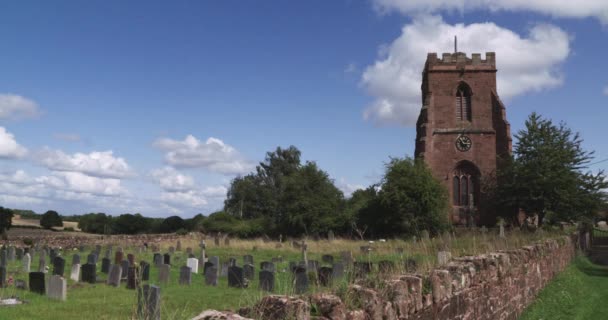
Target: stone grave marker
(411, 265)
(37, 283)
(443, 257)
(231, 262)
(58, 266)
(313, 265)
(188, 251)
(3, 280)
(167, 259)
(185, 276)
(157, 260)
(235, 277)
(118, 257)
(268, 266)
(20, 284)
(131, 259)
(42, 263)
(26, 262)
(148, 303)
(124, 264)
(247, 259)
(11, 253)
(108, 253)
(75, 259)
(211, 276)
(19, 253)
(325, 276)
(337, 270)
(89, 274)
(163, 273)
(75, 272)
(331, 236)
(105, 265)
(132, 277)
(249, 271)
(224, 269)
(193, 264)
(301, 280)
(346, 257)
(57, 288)
(115, 275)
(226, 241)
(178, 245)
(327, 258)
(52, 254)
(92, 258)
(216, 241)
(145, 270)
(215, 260)
(267, 280)
(3, 257)
(207, 265)
(501, 230)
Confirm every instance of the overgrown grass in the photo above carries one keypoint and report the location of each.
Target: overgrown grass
(580, 292)
(100, 301)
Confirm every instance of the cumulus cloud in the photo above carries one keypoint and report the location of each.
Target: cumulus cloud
(13, 106)
(348, 188)
(525, 63)
(97, 164)
(213, 155)
(9, 148)
(82, 183)
(172, 180)
(568, 9)
(189, 198)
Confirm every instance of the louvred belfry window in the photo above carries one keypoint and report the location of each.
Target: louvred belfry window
(463, 103)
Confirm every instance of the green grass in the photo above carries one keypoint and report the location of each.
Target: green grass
(580, 292)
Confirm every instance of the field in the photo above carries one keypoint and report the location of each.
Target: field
(35, 223)
(100, 301)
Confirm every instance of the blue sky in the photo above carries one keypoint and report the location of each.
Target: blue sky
(153, 107)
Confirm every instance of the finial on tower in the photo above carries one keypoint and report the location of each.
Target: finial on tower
(455, 44)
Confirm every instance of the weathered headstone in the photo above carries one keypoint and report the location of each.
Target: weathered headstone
(118, 257)
(132, 277)
(193, 264)
(301, 280)
(185, 276)
(105, 265)
(215, 260)
(443, 257)
(235, 277)
(501, 232)
(268, 266)
(325, 276)
(157, 260)
(211, 276)
(89, 274)
(37, 283)
(42, 263)
(167, 259)
(20, 284)
(267, 280)
(171, 250)
(75, 272)
(178, 246)
(58, 266)
(57, 288)
(92, 258)
(330, 235)
(247, 259)
(19, 253)
(131, 259)
(26, 262)
(11, 253)
(148, 303)
(231, 262)
(337, 270)
(3, 257)
(327, 258)
(163, 273)
(124, 264)
(145, 270)
(248, 271)
(115, 275)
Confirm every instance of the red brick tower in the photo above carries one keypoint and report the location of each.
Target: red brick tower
(462, 130)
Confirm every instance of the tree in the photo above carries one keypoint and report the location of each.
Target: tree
(50, 219)
(130, 224)
(547, 176)
(172, 224)
(409, 200)
(6, 221)
(99, 223)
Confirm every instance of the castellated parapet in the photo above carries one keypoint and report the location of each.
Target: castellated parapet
(458, 60)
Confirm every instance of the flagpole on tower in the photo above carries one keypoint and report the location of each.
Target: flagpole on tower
(455, 44)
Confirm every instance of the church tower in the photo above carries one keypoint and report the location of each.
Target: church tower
(462, 130)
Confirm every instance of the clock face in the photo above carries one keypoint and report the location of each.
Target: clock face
(463, 143)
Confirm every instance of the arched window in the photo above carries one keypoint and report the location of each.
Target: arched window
(463, 102)
(465, 186)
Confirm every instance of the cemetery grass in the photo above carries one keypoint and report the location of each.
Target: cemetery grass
(100, 301)
(578, 293)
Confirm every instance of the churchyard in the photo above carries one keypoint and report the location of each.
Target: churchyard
(107, 280)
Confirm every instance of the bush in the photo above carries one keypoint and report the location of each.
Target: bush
(68, 229)
(182, 232)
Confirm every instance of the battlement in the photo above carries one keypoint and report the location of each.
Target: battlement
(461, 59)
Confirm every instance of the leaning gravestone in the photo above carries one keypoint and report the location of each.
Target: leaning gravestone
(145, 270)
(75, 272)
(236, 278)
(325, 276)
(249, 271)
(267, 280)
(89, 274)
(301, 280)
(211, 276)
(105, 265)
(37, 283)
(115, 275)
(193, 264)
(57, 288)
(163, 273)
(185, 276)
(58, 266)
(148, 303)
(26, 262)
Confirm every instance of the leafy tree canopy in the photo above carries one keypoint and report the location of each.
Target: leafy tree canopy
(50, 219)
(6, 221)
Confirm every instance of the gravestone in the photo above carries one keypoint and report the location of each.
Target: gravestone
(425, 235)
(19, 252)
(163, 273)
(224, 269)
(249, 271)
(3, 257)
(301, 280)
(42, 263)
(411, 265)
(58, 266)
(267, 280)
(75, 259)
(11, 253)
(216, 241)
(231, 262)
(157, 260)
(148, 303)
(52, 254)
(247, 259)
(211, 276)
(131, 259)
(327, 258)
(124, 264)
(226, 241)
(235, 277)
(37, 283)
(57, 288)
(268, 266)
(115, 275)
(75, 272)
(3, 280)
(179, 246)
(118, 257)
(188, 251)
(215, 260)
(361, 269)
(337, 270)
(346, 257)
(167, 259)
(501, 232)
(330, 236)
(26, 263)
(20, 284)
(313, 265)
(108, 253)
(386, 266)
(145, 270)
(92, 258)
(132, 277)
(89, 274)
(325, 276)
(206, 266)
(193, 264)
(105, 265)
(171, 250)
(443, 257)
(185, 276)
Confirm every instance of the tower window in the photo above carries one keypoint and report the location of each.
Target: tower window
(464, 185)
(463, 103)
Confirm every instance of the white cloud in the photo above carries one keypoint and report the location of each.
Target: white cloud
(525, 64)
(82, 183)
(9, 148)
(15, 107)
(189, 198)
(348, 188)
(568, 9)
(98, 164)
(172, 180)
(213, 155)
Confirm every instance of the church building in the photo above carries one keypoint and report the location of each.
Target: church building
(462, 131)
